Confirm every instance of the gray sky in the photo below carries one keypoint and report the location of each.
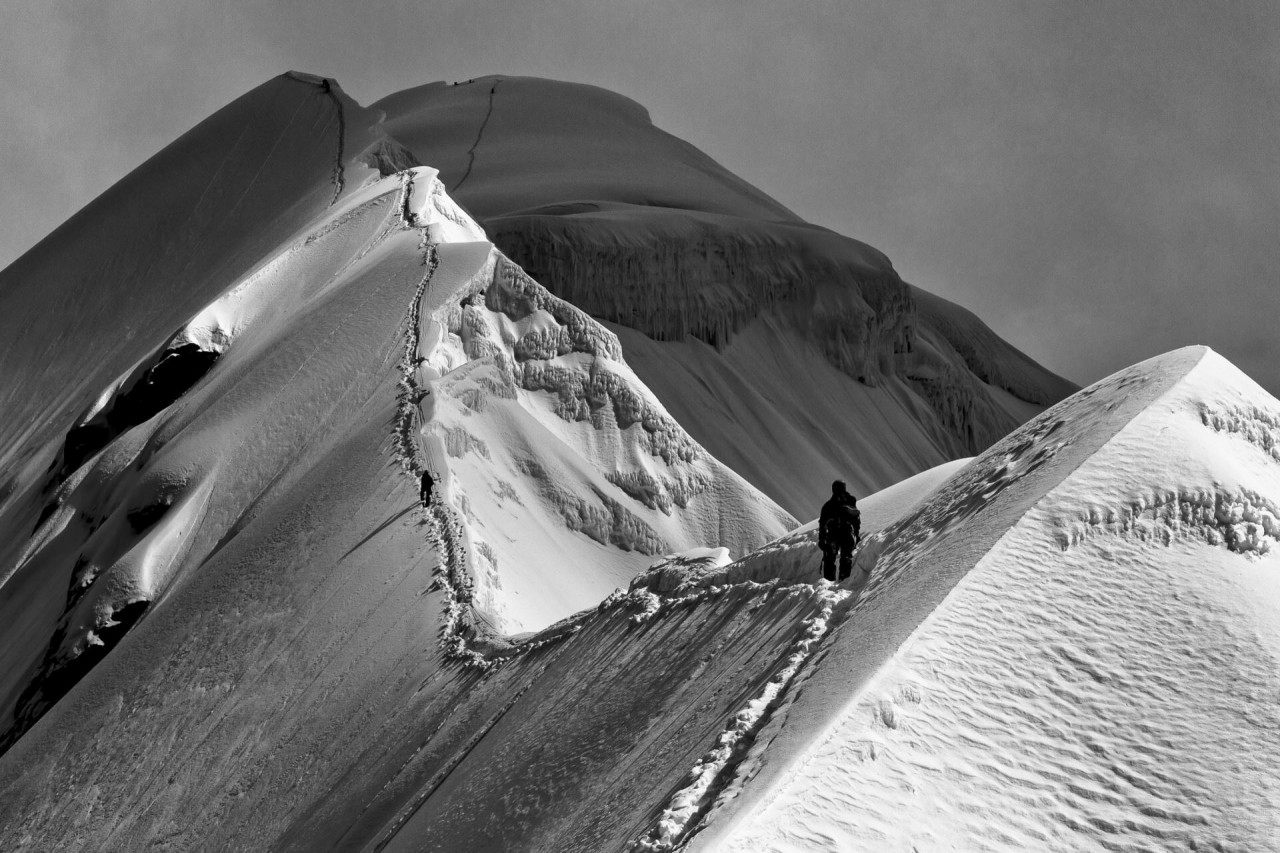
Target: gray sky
(1098, 182)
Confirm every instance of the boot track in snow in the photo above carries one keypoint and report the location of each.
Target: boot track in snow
(467, 637)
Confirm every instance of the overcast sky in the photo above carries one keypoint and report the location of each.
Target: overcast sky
(1098, 182)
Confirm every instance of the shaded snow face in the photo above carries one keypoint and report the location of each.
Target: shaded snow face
(821, 361)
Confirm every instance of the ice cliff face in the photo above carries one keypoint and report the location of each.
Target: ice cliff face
(642, 230)
(708, 277)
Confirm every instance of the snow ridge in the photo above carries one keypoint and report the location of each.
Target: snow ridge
(710, 774)
(339, 166)
(326, 85)
(465, 635)
(471, 152)
(443, 529)
(1260, 427)
(405, 247)
(1244, 522)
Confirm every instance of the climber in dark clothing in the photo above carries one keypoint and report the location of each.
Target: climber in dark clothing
(427, 483)
(839, 530)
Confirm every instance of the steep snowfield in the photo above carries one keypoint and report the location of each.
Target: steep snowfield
(1071, 647)
(543, 429)
(785, 416)
(641, 229)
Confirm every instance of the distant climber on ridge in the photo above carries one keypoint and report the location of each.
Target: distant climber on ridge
(839, 531)
(428, 482)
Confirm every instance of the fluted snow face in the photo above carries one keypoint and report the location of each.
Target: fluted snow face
(544, 427)
(675, 275)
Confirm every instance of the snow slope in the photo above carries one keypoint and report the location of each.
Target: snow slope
(641, 229)
(1072, 646)
(542, 429)
(159, 444)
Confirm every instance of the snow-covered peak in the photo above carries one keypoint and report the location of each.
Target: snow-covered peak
(1089, 609)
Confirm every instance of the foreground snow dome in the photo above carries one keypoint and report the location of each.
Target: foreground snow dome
(328, 527)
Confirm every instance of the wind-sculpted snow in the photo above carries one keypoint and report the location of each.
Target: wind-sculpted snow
(141, 491)
(1071, 646)
(709, 276)
(673, 275)
(1243, 522)
(154, 386)
(697, 794)
(232, 189)
(600, 517)
(1009, 469)
(558, 763)
(959, 338)
(544, 428)
(1260, 427)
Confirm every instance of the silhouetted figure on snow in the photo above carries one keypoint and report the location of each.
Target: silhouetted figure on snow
(839, 529)
(427, 483)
